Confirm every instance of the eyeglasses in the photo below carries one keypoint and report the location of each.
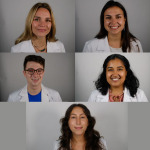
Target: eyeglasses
(31, 71)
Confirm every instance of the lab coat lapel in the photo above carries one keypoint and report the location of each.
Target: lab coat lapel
(128, 97)
(102, 98)
(24, 95)
(45, 95)
(103, 45)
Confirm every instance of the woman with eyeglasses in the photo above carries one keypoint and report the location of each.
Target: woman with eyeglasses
(39, 32)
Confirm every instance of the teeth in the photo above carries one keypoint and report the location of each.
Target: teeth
(114, 27)
(115, 79)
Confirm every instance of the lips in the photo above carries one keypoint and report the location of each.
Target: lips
(42, 30)
(78, 128)
(114, 27)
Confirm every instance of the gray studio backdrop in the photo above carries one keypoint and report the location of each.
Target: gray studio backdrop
(13, 14)
(89, 66)
(88, 24)
(13, 126)
(59, 74)
(43, 127)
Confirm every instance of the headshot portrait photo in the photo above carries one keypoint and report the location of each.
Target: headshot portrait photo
(58, 74)
(88, 67)
(13, 21)
(88, 20)
(43, 124)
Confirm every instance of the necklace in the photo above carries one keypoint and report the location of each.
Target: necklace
(38, 47)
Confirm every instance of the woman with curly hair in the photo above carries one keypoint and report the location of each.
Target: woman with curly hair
(78, 131)
(114, 34)
(39, 32)
(117, 82)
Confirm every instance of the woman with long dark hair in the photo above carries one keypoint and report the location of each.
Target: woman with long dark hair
(114, 34)
(117, 82)
(78, 131)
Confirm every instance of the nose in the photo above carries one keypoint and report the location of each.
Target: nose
(42, 23)
(113, 20)
(35, 73)
(115, 73)
(78, 121)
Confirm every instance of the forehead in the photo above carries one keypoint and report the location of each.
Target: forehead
(34, 65)
(42, 12)
(115, 63)
(77, 110)
(113, 11)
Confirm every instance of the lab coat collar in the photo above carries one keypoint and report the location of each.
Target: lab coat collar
(103, 45)
(127, 97)
(45, 95)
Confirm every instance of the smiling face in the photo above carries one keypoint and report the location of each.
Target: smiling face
(41, 24)
(78, 122)
(114, 20)
(116, 73)
(34, 80)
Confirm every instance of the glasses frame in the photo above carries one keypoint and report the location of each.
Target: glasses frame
(34, 70)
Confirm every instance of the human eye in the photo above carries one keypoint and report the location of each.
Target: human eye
(108, 17)
(30, 70)
(48, 20)
(72, 117)
(36, 19)
(40, 70)
(118, 16)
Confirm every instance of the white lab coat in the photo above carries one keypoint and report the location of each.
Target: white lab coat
(48, 95)
(56, 144)
(96, 96)
(102, 45)
(27, 47)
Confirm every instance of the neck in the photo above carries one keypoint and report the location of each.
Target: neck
(114, 40)
(78, 143)
(116, 91)
(38, 41)
(34, 90)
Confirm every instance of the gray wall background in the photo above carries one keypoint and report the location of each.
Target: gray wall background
(89, 66)
(13, 126)
(43, 127)
(88, 24)
(59, 74)
(138, 125)
(13, 14)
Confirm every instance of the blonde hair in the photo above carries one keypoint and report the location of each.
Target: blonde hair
(28, 34)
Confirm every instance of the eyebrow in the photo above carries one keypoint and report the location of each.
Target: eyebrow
(115, 15)
(117, 67)
(40, 17)
(76, 114)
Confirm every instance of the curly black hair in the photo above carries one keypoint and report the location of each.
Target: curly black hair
(92, 136)
(131, 81)
(126, 36)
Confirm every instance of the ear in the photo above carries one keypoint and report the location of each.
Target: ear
(24, 73)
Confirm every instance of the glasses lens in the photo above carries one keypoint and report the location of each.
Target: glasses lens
(39, 71)
(30, 71)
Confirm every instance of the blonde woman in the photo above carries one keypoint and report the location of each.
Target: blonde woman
(39, 33)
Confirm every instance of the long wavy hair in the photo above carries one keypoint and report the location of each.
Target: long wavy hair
(126, 36)
(28, 34)
(131, 81)
(92, 136)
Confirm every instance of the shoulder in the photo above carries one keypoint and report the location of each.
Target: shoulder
(21, 47)
(52, 93)
(57, 46)
(96, 45)
(14, 97)
(136, 45)
(103, 143)
(94, 95)
(140, 95)
(56, 145)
